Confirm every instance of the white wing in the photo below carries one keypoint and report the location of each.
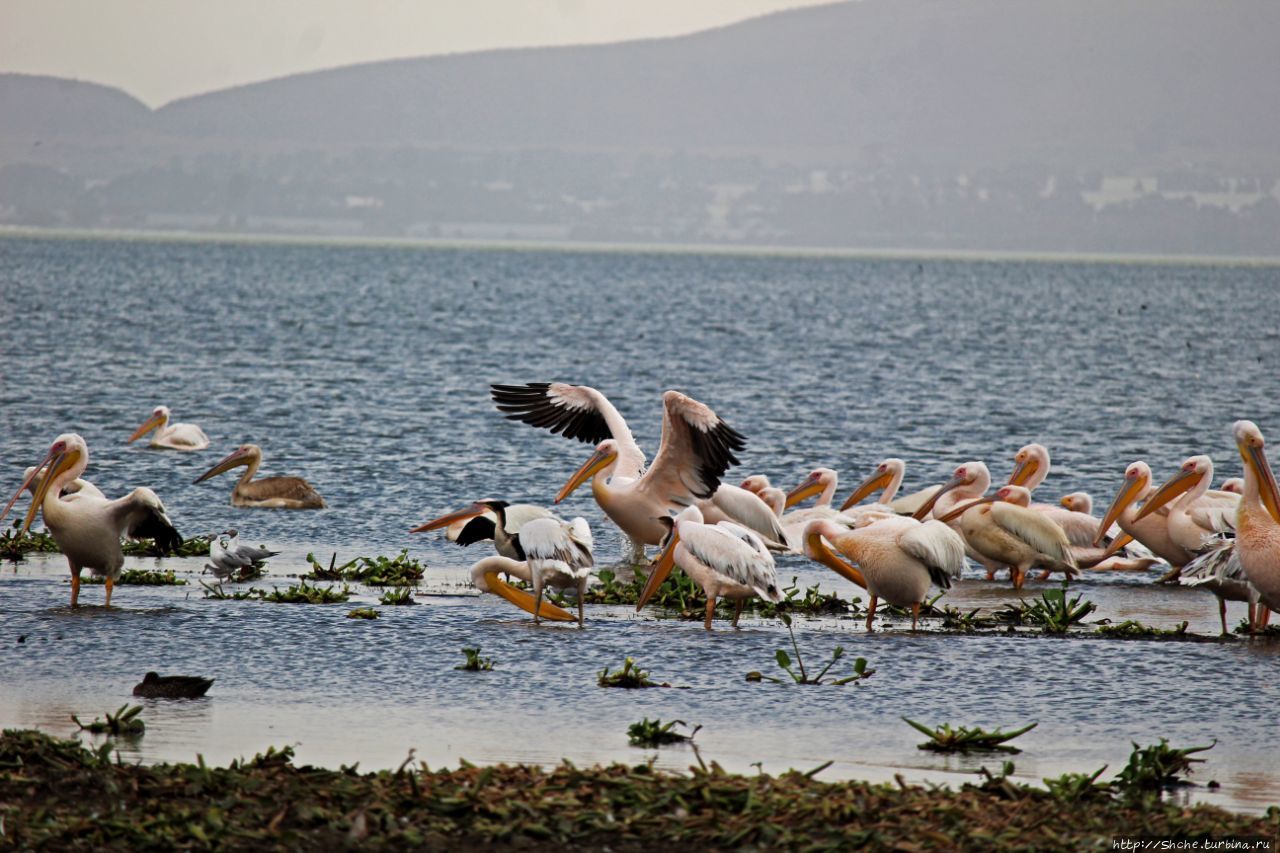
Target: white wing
(939, 547)
(518, 515)
(1221, 563)
(1080, 529)
(1218, 516)
(697, 448)
(576, 411)
(908, 504)
(747, 509)
(1033, 528)
(735, 552)
(548, 540)
(141, 515)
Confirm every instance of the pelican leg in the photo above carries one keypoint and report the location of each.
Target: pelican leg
(1222, 614)
(915, 616)
(75, 585)
(110, 584)
(711, 610)
(737, 611)
(1044, 576)
(871, 613)
(1019, 577)
(991, 574)
(1253, 616)
(582, 593)
(1265, 618)
(537, 592)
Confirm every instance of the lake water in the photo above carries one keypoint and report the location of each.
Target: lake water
(365, 369)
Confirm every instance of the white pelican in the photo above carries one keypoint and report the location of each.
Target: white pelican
(1006, 530)
(559, 553)
(1153, 529)
(697, 448)
(170, 436)
(489, 519)
(896, 558)
(747, 508)
(33, 477)
(484, 575)
(968, 483)
(87, 526)
(887, 477)
(1258, 521)
(725, 559)
(227, 555)
(1232, 485)
(269, 492)
(1196, 520)
(1219, 571)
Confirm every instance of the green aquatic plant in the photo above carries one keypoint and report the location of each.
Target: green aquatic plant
(400, 570)
(140, 577)
(474, 663)
(304, 593)
(216, 592)
(654, 733)
(1052, 611)
(1152, 768)
(965, 739)
(679, 594)
(13, 546)
(1133, 630)
(123, 723)
(363, 613)
(955, 619)
(401, 595)
(630, 676)
(860, 671)
(196, 546)
(1078, 787)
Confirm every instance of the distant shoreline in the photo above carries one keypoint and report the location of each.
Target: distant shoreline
(886, 253)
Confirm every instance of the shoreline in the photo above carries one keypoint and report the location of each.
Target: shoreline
(56, 793)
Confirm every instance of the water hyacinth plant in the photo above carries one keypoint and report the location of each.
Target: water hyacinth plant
(140, 577)
(965, 739)
(1158, 766)
(655, 733)
(400, 570)
(475, 663)
(629, 677)
(123, 723)
(399, 596)
(1053, 612)
(363, 613)
(860, 671)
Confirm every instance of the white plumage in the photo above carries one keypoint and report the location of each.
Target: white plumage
(558, 553)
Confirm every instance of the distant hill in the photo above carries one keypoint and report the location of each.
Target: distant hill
(1107, 125)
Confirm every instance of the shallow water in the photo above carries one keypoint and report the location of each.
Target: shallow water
(365, 370)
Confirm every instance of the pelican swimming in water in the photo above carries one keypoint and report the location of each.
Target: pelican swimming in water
(895, 558)
(87, 526)
(489, 519)
(170, 436)
(1196, 520)
(725, 559)
(1006, 530)
(1258, 521)
(267, 493)
(697, 448)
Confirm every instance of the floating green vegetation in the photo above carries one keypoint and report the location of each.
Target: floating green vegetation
(57, 795)
(860, 670)
(13, 546)
(680, 594)
(630, 677)
(475, 663)
(1052, 611)
(399, 596)
(400, 570)
(654, 733)
(965, 739)
(363, 613)
(140, 577)
(1079, 787)
(302, 593)
(1159, 766)
(123, 723)
(955, 619)
(1244, 628)
(1134, 630)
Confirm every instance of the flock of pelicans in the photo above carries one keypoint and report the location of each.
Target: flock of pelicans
(725, 537)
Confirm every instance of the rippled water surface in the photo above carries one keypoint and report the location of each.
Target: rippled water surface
(365, 369)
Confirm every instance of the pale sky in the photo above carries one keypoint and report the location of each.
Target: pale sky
(158, 50)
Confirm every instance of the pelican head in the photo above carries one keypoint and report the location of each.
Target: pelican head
(817, 481)
(159, 417)
(1190, 474)
(1030, 465)
(1234, 485)
(968, 474)
(245, 454)
(1016, 495)
(68, 454)
(605, 457)
(1078, 502)
(756, 483)
(1137, 477)
(883, 475)
(1250, 443)
(478, 508)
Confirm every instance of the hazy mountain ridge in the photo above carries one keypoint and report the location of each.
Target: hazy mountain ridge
(885, 122)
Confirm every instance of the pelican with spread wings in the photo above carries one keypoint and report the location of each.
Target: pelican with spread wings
(697, 448)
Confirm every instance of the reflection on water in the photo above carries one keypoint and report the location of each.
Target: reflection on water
(364, 370)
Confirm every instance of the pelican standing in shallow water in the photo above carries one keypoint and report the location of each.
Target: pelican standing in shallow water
(1258, 521)
(87, 526)
(170, 436)
(697, 448)
(896, 558)
(1006, 530)
(489, 519)
(559, 553)
(1196, 519)
(267, 493)
(484, 576)
(727, 560)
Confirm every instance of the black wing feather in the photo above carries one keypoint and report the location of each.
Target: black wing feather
(157, 528)
(476, 530)
(715, 448)
(532, 404)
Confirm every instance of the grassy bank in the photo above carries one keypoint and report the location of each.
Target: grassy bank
(58, 795)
